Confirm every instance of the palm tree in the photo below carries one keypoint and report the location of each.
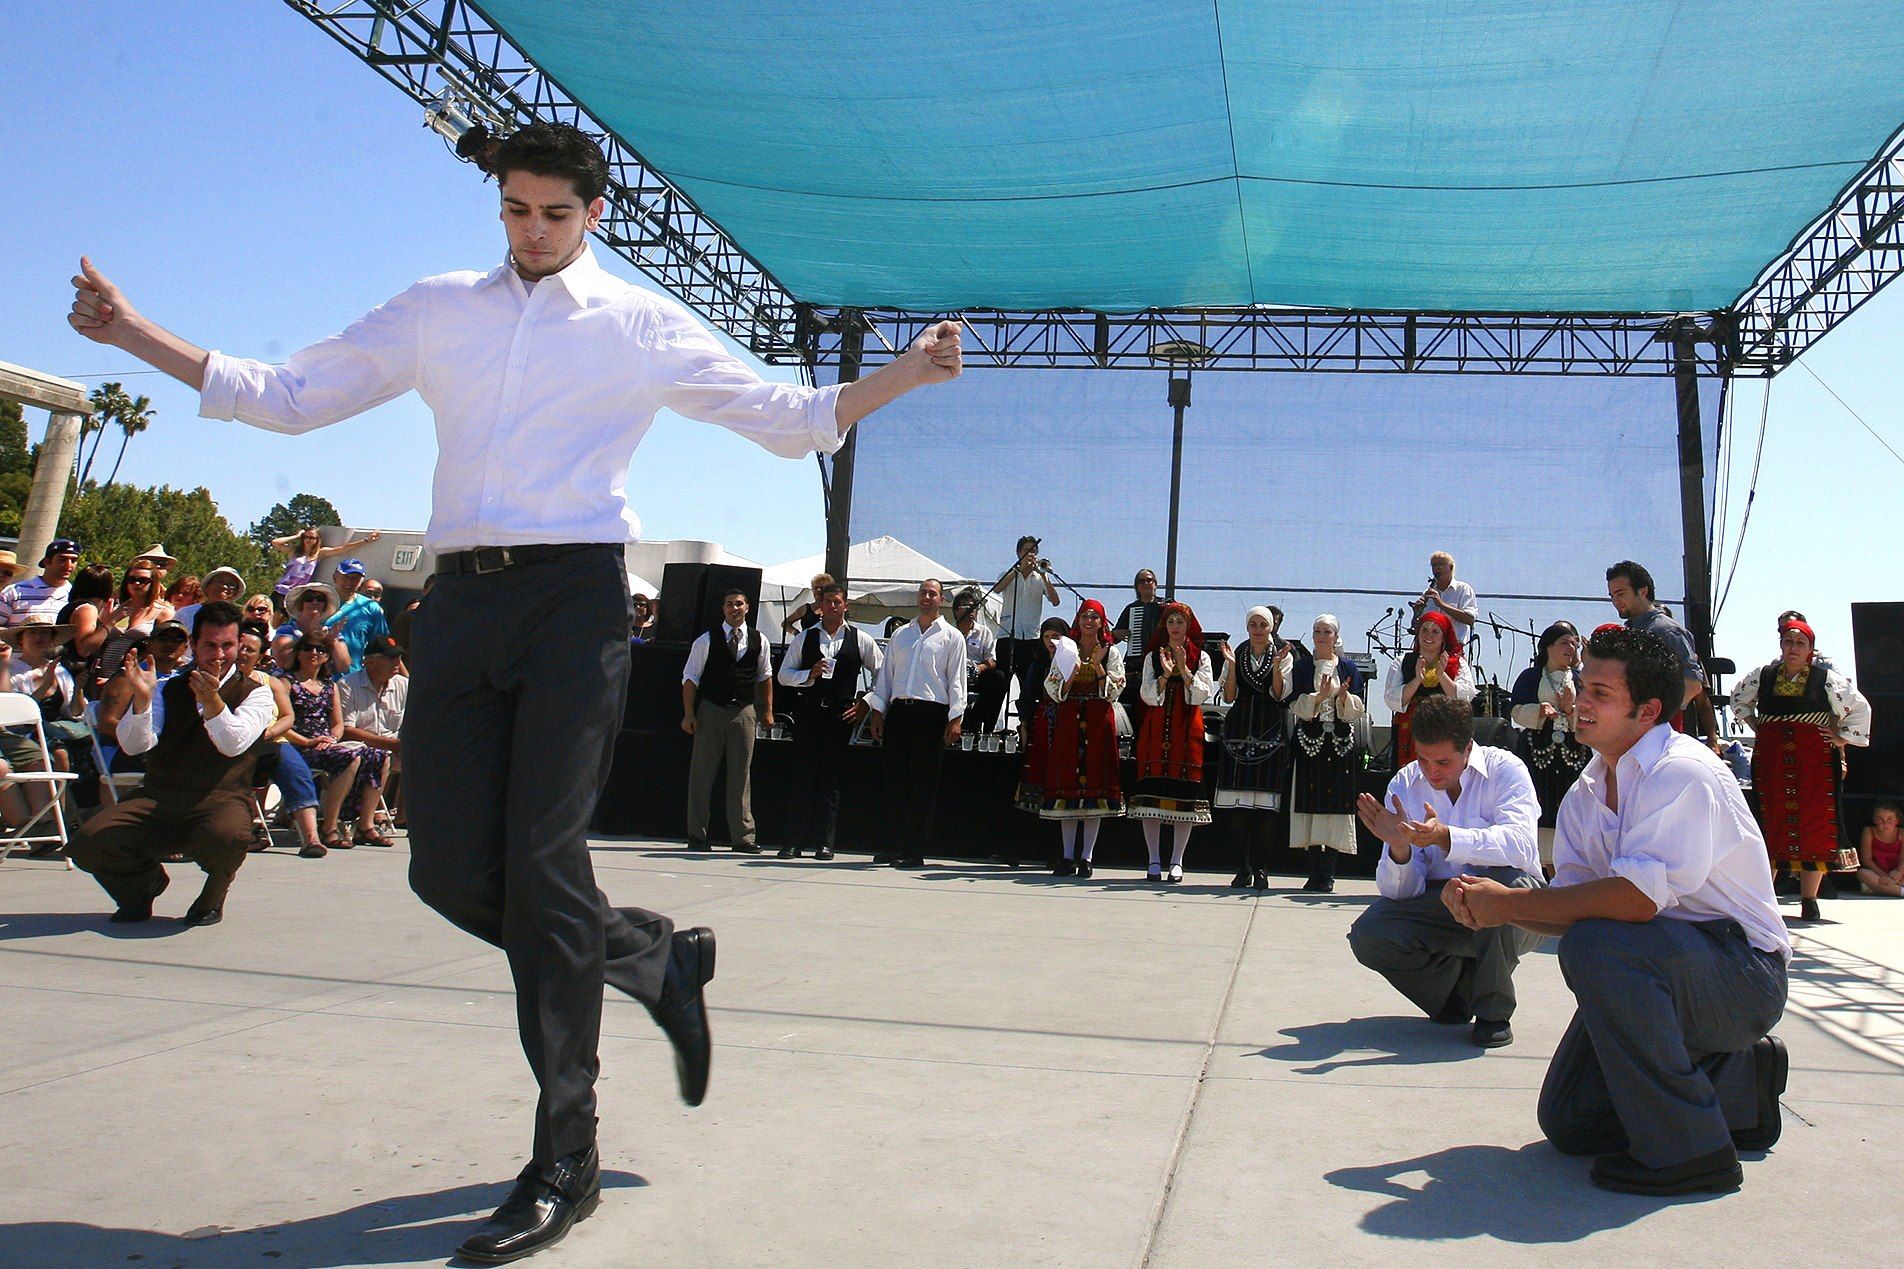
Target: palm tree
(111, 405)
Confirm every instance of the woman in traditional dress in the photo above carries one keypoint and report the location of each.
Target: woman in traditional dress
(1081, 786)
(1034, 772)
(1331, 745)
(1802, 716)
(1250, 767)
(1436, 665)
(1169, 788)
(1542, 714)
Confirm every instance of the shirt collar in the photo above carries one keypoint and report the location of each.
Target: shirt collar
(583, 277)
(1639, 760)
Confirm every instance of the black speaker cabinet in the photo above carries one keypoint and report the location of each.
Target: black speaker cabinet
(1878, 633)
(691, 597)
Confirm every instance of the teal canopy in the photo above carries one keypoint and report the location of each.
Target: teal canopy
(1436, 155)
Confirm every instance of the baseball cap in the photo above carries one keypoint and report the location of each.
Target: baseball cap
(170, 626)
(382, 647)
(352, 567)
(60, 546)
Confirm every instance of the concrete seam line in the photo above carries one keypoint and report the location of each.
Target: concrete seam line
(1162, 1207)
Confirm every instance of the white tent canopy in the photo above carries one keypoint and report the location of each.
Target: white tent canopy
(883, 577)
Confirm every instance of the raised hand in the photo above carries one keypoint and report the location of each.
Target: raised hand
(939, 354)
(1384, 823)
(100, 310)
(141, 678)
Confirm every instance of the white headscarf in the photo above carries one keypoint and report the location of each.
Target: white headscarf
(1269, 618)
(1328, 619)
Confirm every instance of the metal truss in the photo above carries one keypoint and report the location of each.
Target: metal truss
(457, 64)
(1281, 339)
(1841, 261)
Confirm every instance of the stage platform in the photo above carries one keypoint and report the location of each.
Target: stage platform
(963, 1066)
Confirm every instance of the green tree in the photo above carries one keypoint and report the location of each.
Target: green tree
(112, 404)
(112, 522)
(303, 511)
(16, 467)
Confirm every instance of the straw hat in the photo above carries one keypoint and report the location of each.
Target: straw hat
(296, 597)
(10, 562)
(158, 555)
(36, 621)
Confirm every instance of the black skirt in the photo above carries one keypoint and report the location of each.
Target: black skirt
(1327, 760)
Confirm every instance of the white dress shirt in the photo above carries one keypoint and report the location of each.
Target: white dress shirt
(1023, 605)
(365, 708)
(923, 665)
(981, 646)
(1683, 835)
(232, 730)
(1456, 594)
(1491, 825)
(698, 653)
(791, 675)
(540, 395)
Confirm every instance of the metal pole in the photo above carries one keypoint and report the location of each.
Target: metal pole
(1179, 398)
(1692, 493)
(39, 524)
(839, 488)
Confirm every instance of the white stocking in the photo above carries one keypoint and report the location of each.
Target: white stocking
(1088, 839)
(1179, 838)
(1152, 831)
(1068, 834)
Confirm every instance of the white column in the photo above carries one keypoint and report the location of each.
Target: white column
(40, 523)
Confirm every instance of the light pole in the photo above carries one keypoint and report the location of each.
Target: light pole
(1184, 355)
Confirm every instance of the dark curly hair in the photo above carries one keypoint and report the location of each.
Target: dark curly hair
(1653, 671)
(554, 149)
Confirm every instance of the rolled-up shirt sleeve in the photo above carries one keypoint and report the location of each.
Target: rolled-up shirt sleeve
(235, 730)
(372, 361)
(955, 677)
(1400, 881)
(1665, 849)
(701, 380)
(139, 732)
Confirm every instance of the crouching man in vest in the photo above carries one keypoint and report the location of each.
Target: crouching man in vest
(198, 732)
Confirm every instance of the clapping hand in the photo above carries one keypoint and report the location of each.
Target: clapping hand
(141, 678)
(1428, 831)
(938, 353)
(1477, 902)
(1388, 825)
(205, 688)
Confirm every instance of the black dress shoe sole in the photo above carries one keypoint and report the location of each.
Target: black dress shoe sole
(1492, 1039)
(1719, 1181)
(130, 916)
(203, 918)
(583, 1210)
(1771, 1078)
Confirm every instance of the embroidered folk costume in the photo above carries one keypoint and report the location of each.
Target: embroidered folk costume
(1450, 667)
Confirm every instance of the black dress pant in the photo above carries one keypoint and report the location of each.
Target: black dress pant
(822, 737)
(987, 698)
(516, 687)
(914, 746)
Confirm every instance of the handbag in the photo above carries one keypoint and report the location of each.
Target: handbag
(1845, 859)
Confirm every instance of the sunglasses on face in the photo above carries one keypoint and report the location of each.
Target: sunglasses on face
(144, 579)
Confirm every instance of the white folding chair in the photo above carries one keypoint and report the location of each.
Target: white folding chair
(19, 710)
(114, 781)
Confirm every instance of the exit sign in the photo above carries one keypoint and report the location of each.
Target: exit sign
(406, 558)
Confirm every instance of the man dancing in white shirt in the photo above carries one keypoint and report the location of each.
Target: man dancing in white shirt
(1669, 937)
(544, 375)
(1457, 808)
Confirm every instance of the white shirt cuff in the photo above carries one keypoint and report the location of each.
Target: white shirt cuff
(1648, 876)
(823, 419)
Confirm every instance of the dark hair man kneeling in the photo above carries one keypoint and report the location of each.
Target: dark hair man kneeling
(1457, 809)
(1669, 938)
(197, 732)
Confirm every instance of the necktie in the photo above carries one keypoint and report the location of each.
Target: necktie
(733, 643)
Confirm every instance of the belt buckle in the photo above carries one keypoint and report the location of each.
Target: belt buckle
(482, 557)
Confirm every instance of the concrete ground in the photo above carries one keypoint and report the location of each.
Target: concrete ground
(965, 1067)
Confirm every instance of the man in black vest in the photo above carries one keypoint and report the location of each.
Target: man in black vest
(823, 665)
(729, 669)
(198, 733)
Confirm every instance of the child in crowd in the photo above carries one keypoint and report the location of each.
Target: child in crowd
(1882, 861)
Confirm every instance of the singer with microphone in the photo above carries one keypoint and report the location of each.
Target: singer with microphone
(1453, 599)
(1026, 587)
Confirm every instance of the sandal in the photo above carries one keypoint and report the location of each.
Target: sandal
(338, 842)
(372, 837)
(312, 850)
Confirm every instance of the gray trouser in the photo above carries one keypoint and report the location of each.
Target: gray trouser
(516, 686)
(1658, 1059)
(1430, 957)
(722, 731)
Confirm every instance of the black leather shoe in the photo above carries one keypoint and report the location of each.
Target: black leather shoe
(823, 853)
(1488, 1034)
(1240, 881)
(746, 848)
(883, 858)
(909, 861)
(539, 1211)
(1319, 885)
(1774, 1068)
(132, 913)
(1717, 1173)
(1064, 868)
(702, 844)
(787, 852)
(1808, 910)
(1084, 870)
(203, 916)
(682, 1010)
(1261, 881)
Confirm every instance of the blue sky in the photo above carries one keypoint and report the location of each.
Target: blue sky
(255, 188)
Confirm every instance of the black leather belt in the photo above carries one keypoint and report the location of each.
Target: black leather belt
(494, 559)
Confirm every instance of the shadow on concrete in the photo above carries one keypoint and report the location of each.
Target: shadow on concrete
(46, 925)
(1531, 1195)
(1398, 1042)
(410, 1228)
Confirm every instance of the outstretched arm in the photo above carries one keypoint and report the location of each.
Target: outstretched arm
(102, 314)
(934, 357)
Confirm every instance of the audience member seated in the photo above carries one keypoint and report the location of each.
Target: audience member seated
(184, 592)
(38, 672)
(223, 584)
(279, 761)
(354, 770)
(164, 650)
(1879, 854)
(1456, 809)
(89, 611)
(640, 619)
(312, 606)
(199, 732)
(260, 608)
(374, 698)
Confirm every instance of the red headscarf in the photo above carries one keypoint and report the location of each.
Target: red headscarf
(1804, 629)
(1450, 649)
(1161, 635)
(1605, 626)
(1103, 624)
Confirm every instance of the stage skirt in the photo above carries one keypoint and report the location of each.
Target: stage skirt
(1252, 761)
(1080, 775)
(1170, 764)
(1795, 774)
(1327, 759)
